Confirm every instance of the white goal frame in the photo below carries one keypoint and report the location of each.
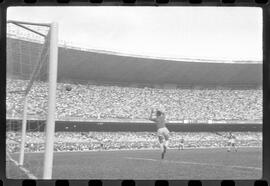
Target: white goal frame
(50, 123)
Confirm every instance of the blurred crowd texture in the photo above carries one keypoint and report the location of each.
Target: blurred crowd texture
(88, 101)
(85, 141)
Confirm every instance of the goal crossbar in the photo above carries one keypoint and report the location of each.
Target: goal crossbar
(38, 33)
(29, 23)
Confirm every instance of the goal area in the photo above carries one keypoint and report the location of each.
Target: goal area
(32, 60)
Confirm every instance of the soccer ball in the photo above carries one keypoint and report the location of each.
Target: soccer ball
(68, 88)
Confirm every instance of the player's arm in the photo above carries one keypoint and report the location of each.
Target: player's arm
(163, 117)
(151, 116)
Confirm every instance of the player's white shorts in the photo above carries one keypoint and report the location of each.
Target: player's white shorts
(232, 141)
(163, 132)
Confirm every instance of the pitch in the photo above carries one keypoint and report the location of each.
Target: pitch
(146, 164)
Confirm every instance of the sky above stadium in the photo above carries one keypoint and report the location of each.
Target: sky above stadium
(218, 33)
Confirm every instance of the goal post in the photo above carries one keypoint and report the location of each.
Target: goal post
(50, 126)
(40, 56)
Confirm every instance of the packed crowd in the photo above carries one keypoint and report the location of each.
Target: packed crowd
(87, 101)
(82, 141)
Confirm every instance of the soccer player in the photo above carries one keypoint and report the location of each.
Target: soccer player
(162, 131)
(181, 144)
(231, 142)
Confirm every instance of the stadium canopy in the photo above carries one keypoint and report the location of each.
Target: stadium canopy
(100, 66)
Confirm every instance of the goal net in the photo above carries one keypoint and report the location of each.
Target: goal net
(30, 95)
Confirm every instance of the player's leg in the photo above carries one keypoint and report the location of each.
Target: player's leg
(160, 140)
(166, 137)
(161, 143)
(166, 143)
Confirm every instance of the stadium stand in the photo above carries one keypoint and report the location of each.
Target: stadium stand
(88, 101)
(83, 141)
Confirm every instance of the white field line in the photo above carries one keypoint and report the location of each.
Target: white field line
(195, 163)
(27, 172)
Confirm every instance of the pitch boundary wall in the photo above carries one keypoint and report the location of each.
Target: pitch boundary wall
(76, 126)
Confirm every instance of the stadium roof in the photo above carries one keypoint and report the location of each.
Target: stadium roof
(107, 66)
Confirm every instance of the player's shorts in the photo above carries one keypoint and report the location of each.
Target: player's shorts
(163, 132)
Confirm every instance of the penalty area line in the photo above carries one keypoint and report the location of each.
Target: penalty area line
(195, 163)
(27, 172)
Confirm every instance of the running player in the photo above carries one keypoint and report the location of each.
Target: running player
(162, 131)
(231, 142)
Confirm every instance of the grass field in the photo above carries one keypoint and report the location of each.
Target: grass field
(146, 164)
